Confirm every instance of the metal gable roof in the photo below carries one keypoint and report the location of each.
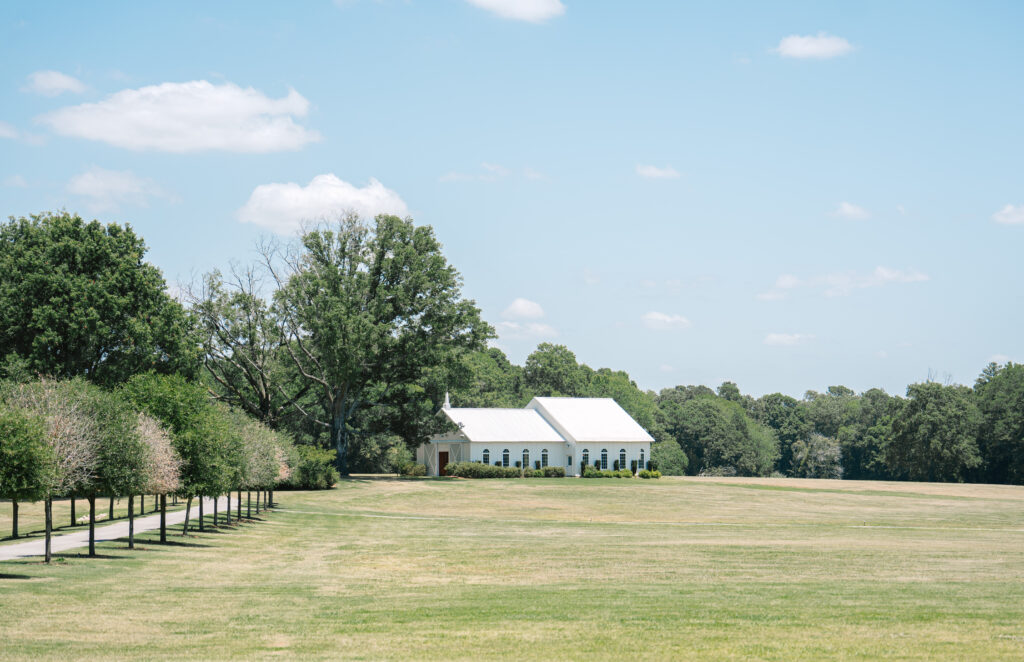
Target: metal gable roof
(510, 425)
(591, 419)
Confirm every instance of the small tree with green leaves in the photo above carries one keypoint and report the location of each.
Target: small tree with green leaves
(24, 459)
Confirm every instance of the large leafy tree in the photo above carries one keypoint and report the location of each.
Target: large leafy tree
(934, 437)
(999, 393)
(367, 311)
(788, 418)
(77, 300)
(717, 435)
(552, 370)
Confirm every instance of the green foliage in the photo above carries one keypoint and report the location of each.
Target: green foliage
(314, 470)
(934, 435)
(77, 299)
(593, 472)
(644, 473)
(552, 370)
(123, 456)
(817, 456)
(999, 393)
(374, 315)
(717, 434)
(414, 469)
(480, 470)
(493, 381)
(25, 457)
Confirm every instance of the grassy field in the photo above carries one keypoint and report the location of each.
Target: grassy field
(547, 568)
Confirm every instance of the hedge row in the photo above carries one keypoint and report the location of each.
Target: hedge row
(481, 470)
(591, 472)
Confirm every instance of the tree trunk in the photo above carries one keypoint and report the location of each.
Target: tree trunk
(92, 525)
(215, 498)
(202, 524)
(227, 513)
(271, 498)
(248, 505)
(14, 518)
(73, 522)
(258, 501)
(239, 503)
(48, 515)
(163, 518)
(110, 515)
(188, 510)
(131, 522)
(142, 504)
(339, 435)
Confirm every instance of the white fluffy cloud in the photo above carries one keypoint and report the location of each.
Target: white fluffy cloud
(851, 211)
(533, 11)
(525, 330)
(107, 190)
(820, 46)
(841, 283)
(8, 131)
(52, 83)
(654, 172)
(1010, 215)
(189, 117)
(664, 321)
(283, 208)
(787, 339)
(521, 309)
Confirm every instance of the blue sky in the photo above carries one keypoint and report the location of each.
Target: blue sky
(786, 196)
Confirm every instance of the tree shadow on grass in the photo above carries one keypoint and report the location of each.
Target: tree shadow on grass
(173, 543)
(4, 575)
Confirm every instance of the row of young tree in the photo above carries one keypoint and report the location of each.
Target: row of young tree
(937, 432)
(347, 338)
(153, 435)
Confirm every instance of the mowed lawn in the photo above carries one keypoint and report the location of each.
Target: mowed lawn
(553, 568)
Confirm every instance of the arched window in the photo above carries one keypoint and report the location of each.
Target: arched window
(604, 458)
(487, 456)
(526, 458)
(622, 458)
(586, 458)
(504, 458)
(642, 465)
(544, 458)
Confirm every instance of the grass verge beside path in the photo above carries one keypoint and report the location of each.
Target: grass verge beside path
(552, 569)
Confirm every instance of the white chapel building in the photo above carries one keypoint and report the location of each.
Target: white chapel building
(566, 432)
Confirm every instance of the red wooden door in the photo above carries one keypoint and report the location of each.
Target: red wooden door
(442, 462)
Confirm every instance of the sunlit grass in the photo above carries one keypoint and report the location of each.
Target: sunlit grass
(548, 568)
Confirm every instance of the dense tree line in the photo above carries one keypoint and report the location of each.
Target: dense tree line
(345, 340)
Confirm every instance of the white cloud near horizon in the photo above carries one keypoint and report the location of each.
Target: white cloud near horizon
(658, 321)
(522, 308)
(51, 83)
(525, 330)
(851, 211)
(1010, 215)
(531, 11)
(787, 339)
(654, 172)
(108, 190)
(820, 47)
(7, 131)
(189, 117)
(284, 207)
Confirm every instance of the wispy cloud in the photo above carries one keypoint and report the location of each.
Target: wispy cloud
(787, 339)
(8, 131)
(1009, 215)
(851, 211)
(664, 321)
(189, 117)
(532, 11)
(53, 83)
(525, 330)
(284, 207)
(654, 172)
(15, 181)
(489, 172)
(841, 283)
(820, 46)
(109, 190)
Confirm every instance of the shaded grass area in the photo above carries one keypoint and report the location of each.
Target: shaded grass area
(564, 569)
